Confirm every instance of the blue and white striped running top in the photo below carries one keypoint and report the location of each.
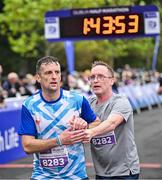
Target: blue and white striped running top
(45, 120)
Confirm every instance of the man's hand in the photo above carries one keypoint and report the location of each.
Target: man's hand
(71, 136)
(88, 135)
(78, 123)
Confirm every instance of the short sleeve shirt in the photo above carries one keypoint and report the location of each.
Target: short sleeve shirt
(121, 158)
(44, 120)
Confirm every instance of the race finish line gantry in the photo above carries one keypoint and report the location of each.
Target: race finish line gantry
(103, 23)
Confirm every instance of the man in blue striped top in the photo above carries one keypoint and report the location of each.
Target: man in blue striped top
(45, 128)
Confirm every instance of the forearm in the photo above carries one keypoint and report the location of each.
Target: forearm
(32, 145)
(95, 123)
(108, 125)
(102, 128)
(68, 137)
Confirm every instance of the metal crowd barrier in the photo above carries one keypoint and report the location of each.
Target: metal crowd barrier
(142, 96)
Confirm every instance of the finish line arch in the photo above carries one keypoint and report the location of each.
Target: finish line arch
(102, 23)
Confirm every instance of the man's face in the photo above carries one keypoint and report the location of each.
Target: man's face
(101, 80)
(49, 77)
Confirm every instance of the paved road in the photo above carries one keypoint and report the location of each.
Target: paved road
(148, 134)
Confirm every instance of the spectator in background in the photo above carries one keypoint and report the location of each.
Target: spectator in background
(1, 71)
(30, 81)
(2, 102)
(2, 97)
(160, 84)
(127, 75)
(18, 85)
(72, 81)
(64, 80)
(11, 85)
(37, 86)
(23, 86)
(2, 92)
(83, 82)
(116, 83)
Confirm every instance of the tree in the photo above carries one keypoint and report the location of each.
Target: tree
(22, 24)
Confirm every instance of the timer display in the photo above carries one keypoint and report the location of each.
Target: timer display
(98, 23)
(107, 24)
(102, 26)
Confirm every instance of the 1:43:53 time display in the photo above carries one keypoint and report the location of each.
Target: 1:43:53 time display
(107, 25)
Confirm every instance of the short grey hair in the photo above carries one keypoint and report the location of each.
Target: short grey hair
(102, 63)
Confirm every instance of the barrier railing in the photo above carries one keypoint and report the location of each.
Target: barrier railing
(142, 96)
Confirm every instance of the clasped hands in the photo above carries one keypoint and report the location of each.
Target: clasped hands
(77, 132)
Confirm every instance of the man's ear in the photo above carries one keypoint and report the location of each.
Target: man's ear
(38, 78)
(112, 81)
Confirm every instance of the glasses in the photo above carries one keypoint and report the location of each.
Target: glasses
(99, 77)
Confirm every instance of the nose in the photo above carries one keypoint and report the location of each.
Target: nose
(54, 75)
(95, 78)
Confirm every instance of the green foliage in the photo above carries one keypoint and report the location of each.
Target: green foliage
(22, 25)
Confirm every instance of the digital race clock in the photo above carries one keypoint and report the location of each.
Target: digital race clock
(98, 23)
